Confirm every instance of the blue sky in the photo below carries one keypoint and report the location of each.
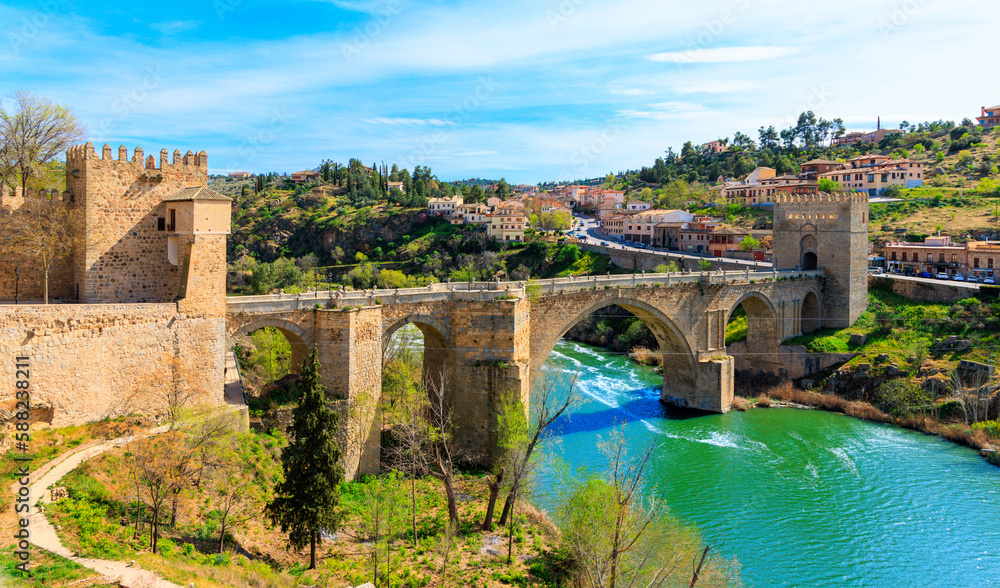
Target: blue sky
(530, 90)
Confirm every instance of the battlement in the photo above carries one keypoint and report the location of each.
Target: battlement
(820, 198)
(81, 155)
(14, 200)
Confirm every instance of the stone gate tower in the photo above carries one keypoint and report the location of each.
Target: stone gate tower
(829, 232)
(153, 231)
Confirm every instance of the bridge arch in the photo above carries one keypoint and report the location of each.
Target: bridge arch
(427, 324)
(300, 339)
(679, 362)
(437, 356)
(762, 319)
(811, 315)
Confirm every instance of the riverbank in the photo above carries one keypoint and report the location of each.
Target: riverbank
(785, 394)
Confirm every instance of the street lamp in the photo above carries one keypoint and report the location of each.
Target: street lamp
(17, 283)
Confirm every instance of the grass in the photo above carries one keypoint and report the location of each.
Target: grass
(95, 520)
(645, 356)
(47, 444)
(896, 326)
(46, 569)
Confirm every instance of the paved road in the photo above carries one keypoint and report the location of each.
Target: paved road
(43, 534)
(595, 236)
(956, 283)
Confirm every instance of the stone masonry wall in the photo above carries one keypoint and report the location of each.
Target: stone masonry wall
(31, 285)
(89, 362)
(125, 257)
(926, 291)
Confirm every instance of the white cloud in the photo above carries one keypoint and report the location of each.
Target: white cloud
(174, 26)
(630, 91)
(408, 122)
(724, 54)
(665, 111)
(718, 87)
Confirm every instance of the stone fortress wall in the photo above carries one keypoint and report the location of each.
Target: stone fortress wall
(149, 322)
(29, 280)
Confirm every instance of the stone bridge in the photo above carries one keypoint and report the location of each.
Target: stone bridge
(489, 339)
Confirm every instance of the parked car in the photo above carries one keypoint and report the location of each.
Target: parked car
(874, 271)
(989, 280)
(926, 275)
(941, 276)
(958, 278)
(604, 243)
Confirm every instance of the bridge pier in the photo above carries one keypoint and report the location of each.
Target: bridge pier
(349, 345)
(711, 391)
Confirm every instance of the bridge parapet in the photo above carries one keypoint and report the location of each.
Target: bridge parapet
(484, 291)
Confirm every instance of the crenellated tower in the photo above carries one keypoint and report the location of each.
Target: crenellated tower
(133, 251)
(828, 231)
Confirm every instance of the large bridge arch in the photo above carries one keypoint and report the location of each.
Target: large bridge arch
(300, 339)
(437, 341)
(679, 361)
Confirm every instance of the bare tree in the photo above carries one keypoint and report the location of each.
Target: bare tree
(974, 390)
(154, 463)
(405, 406)
(240, 482)
(549, 405)
(443, 452)
(47, 231)
(380, 513)
(33, 132)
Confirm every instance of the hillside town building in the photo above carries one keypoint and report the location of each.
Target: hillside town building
(989, 117)
(938, 255)
(444, 206)
(507, 224)
(300, 177)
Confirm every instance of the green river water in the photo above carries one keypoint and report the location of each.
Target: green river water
(800, 497)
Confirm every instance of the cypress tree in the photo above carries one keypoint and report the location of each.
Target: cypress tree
(305, 503)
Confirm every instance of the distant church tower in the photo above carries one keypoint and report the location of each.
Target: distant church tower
(827, 231)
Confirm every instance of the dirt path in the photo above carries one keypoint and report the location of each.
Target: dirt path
(43, 534)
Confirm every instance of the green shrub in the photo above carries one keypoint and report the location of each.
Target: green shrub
(900, 397)
(167, 547)
(950, 410)
(991, 427)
